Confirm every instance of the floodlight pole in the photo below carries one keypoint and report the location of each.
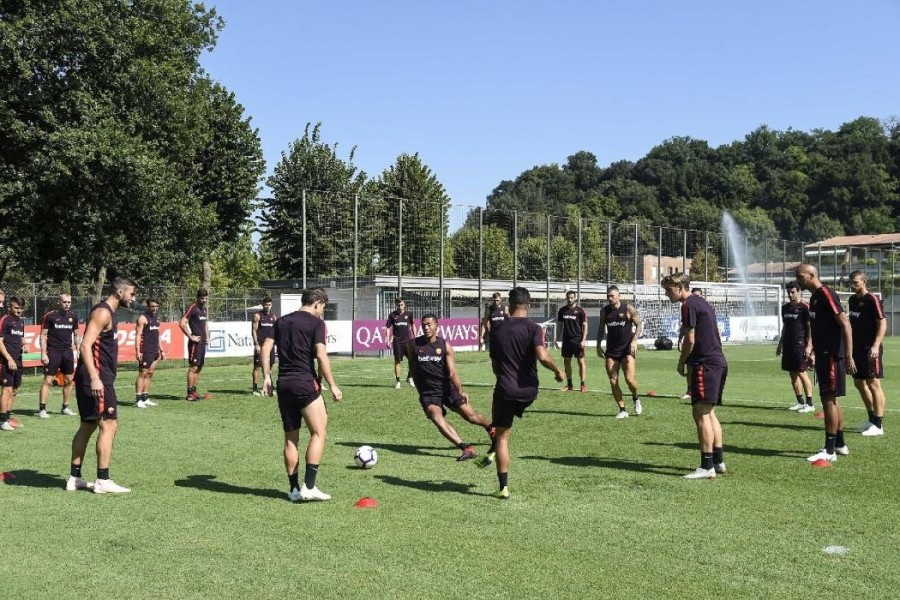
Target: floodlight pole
(580, 260)
(547, 291)
(400, 247)
(515, 247)
(480, 260)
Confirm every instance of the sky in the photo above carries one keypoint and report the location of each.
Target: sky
(484, 90)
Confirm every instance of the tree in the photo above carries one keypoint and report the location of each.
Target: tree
(705, 265)
(238, 264)
(312, 166)
(498, 256)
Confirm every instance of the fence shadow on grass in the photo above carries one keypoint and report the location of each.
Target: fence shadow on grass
(36, 479)
(432, 485)
(729, 449)
(209, 484)
(620, 464)
(400, 448)
(568, 413)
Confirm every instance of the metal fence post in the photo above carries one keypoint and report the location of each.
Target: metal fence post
(547, 289)
(515, 247)
(303, 217)
(400, 247)
(659, 257)
(355, 253)
(766, 262)
(608, 252)
(441, 276)
(580, 260)
(784, 262)
(636, 234)
(480, 259)
(706, 254)
(684, 268)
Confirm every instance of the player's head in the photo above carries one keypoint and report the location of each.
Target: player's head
(676, 286)
(697, 292)
(152, 305)
(267, 305)
(519, 297)
(496, 298)
(15, 306)
(315, 299)
(808, 277)
(571, 296)
(202, 296)
(858, 282)
(429, 324)
(65, 301)
(400, 303)
(612, 294)
(793, 290)
(123, 289)
(2, 298)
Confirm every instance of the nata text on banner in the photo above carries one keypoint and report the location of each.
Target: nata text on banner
(370, 335)
(235, 338)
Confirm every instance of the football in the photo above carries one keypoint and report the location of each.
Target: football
(365, 457)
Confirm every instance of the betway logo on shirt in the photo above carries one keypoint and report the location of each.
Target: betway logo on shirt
(616, 323)
(18, 332)
(795, 316)
(572, 317)
(62, 326)
(855, 314)
(430, 358)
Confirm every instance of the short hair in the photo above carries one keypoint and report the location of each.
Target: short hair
(267, 300)
(16, 300)
(399, 299)
(571, 293)
(152, 301)
(494, 296)
(312, 295)
(697, 291)
(519, 296)
(792, 285)
(430, 316)
(681, 280)
(202, 292)
(612, 288)
(858, 273)
(65, 295)
(122, 283)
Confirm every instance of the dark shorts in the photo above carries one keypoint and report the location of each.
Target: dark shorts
(572, 349)
(293, 396)
(60, 360)
(196, 353)
(11, 379)
(399, 351)
(868, 368)
(94, 409)
(619, 357)
(707, 384)
(452, 400)
(504, 410)
(257, 358)
(793, 359)
(831, 374)
(149, 360)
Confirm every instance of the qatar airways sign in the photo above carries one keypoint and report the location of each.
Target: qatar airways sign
(372, 336)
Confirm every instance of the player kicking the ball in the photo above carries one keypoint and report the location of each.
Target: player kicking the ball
(433, 366)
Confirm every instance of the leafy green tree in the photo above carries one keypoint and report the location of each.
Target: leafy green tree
(705, 265)
(238, 265)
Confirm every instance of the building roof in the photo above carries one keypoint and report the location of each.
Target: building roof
(879, 240)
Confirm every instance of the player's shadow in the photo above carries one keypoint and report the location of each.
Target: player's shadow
(360, 384)
(240, 392)
(31, 478)
(568, 413)
(165, 397)
(729, 449)
(26, 412)
(731, 404)
(431, 485)
(399, 448)
(791, 426)
(620, 464)
(209, 484)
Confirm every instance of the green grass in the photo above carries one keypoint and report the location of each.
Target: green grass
(598, 507)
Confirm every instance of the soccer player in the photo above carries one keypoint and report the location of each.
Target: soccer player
(574, 338)
(12, 333)
(494, 314)
(195, 326)
(95, 390)
(701, 348)
(402, 326)
(300, 338)
(623, 327)
(262, 328)
(518, 347)
(868, 325)
(148, 352)
(831, 350)
(433, 366)
(687, 394)
(59, 342)
(792, 343)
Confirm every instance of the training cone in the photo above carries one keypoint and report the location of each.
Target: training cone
(819, 415)
(821, 463)
(651, 394)
(207, 396)
(366, 502)
(15, 422)
(6, 476)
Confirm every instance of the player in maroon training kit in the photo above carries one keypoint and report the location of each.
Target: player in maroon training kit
(869, 326)
(148, 352)
(59, 342)
(195, 326)
(261, 329)
(573, 326)
(12, 333)
(402, 326)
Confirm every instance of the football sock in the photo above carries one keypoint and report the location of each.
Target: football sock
(871, 416)
(569, 380)
(75, 470)
(103, 473)
(799, 398)
(7, 415)
(294, 480)
(138, 397)
(878, 421)
(43, 405)
(4, 417)
(718, 455)
(255, 387)
(706, 460)
(398, 380)
(839, 438)
(809, 401)
(634, 398)
(830, 442)
(462, 446)
(309, 479)
(504, 479)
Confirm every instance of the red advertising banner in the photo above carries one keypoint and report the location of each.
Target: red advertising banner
(171, 341)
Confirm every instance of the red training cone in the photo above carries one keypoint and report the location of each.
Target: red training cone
(6, 476)
(207, 396)
(651, 394)
(821, 463)
(366, 502)
(819, 415)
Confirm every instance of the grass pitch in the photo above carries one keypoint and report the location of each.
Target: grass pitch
(598, 507)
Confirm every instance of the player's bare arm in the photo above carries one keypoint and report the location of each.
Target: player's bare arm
(254, 328)
(544, 358)
(638, 328)
(100, 321)
(687, 344)
(325, 372)
(138, 336)
(265, 355)
(186, 328)
(844, 322)
(879, 338)
(451, 369)
(601, 331)
(7, 356)
(44, 358)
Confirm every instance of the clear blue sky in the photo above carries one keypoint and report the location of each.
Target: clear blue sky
(484, 90)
